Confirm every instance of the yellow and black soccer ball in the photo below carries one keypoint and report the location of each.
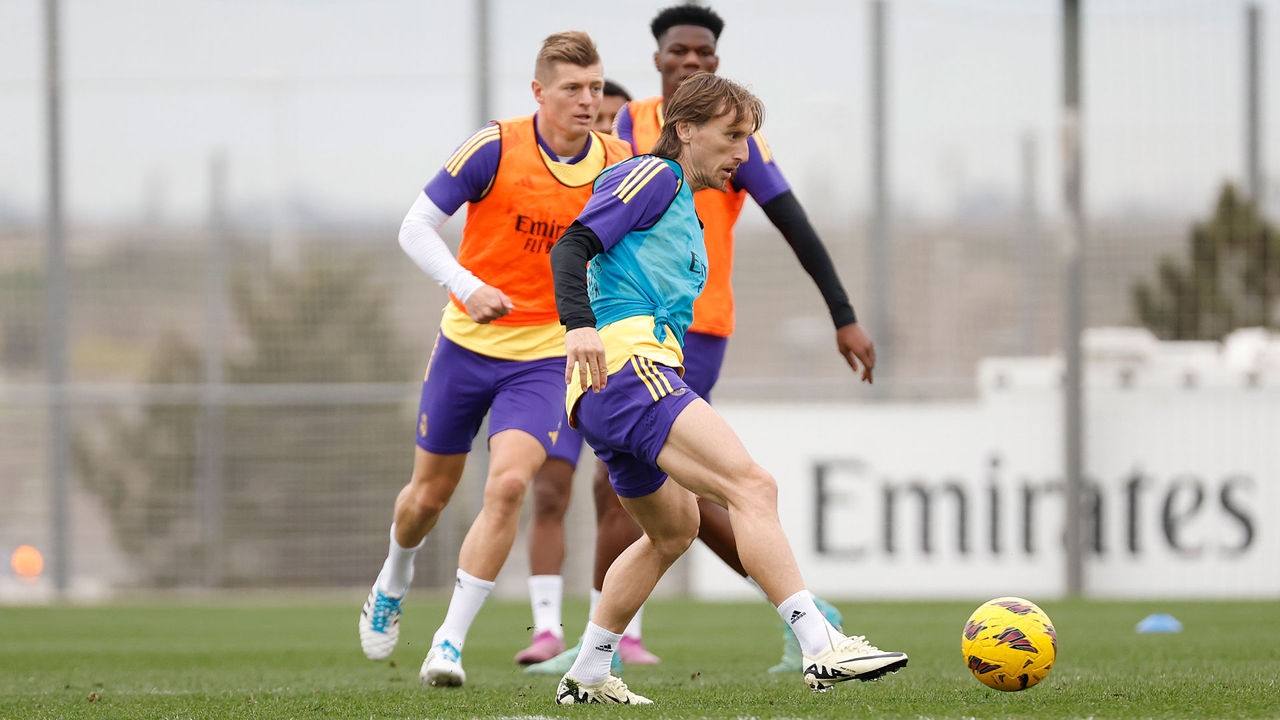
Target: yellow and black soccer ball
(1009, 643)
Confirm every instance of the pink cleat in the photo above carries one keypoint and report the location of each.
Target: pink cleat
(632, 652)
(545, 646)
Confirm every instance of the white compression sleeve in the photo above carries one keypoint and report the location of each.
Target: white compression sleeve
(420, 239)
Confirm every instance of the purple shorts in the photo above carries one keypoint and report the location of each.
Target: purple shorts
(703, 356)
(627, 423)
(568, 443)
(461, 386)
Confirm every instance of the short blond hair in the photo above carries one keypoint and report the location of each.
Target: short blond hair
(572, 46)
(701, 98)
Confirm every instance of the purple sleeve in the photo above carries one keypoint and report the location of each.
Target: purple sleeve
(626, 127)
(633, 196)
(759, 175)
(468, 172)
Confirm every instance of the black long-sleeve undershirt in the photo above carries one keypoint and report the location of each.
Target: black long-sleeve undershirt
(569, 258)
(579, 244)
(786, 214)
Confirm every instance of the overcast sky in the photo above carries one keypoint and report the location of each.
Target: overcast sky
(352, 106)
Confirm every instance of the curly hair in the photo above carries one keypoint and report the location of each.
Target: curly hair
(687, 14)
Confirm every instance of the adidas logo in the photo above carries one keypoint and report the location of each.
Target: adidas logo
(795, 615)
(607, 647)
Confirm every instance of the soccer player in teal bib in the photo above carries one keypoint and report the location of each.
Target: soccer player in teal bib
(626, 274)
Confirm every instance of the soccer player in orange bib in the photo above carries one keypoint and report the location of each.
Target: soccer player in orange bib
(687, 37)
(500, 349)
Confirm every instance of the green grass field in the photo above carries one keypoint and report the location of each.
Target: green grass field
(277, 659)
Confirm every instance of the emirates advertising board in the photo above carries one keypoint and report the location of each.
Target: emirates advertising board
(966, 500)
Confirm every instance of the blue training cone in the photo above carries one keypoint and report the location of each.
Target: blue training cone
(1159, 623)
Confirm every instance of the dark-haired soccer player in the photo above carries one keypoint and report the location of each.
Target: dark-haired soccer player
(627, 317)
(501, 345)
(687, 37)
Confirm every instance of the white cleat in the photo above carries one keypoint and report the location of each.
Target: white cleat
(850, 658)
(443, 667)
(380, 624)
(609, 690)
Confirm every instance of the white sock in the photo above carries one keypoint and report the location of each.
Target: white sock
(807, 622)
(468, 595)
(397, 571)
(591, 607)
(596, 656)
(633, 627)
(545, 592)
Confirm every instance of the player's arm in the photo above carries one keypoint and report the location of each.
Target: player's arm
(624, 126)
(583, 347)
(762, 178)
(789, 217)
(466, 176)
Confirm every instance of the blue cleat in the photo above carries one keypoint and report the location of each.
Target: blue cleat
(443, 667)
(380, 624)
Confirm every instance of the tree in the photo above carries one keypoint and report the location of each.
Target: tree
(325, 322)
(1230, 280)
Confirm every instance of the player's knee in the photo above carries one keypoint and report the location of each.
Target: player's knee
(756, 488)
(671, 545)
(428, 502)
(550, 500)
(678, 531)
(428, 493)
(504, 491)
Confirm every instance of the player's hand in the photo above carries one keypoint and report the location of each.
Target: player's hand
(487, 304)
(585, 351)
(854, 344)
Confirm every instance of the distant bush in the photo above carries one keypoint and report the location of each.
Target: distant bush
(293, 478)
(1230, 279)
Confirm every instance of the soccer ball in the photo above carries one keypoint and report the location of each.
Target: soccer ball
(1009, 644)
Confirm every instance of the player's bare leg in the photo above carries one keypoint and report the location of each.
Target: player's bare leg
(703, 454)
(669, 517)
(418, 505)
(552, 488)
(515, 456)
(615, 531)
(716, 532)
(417, 508)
